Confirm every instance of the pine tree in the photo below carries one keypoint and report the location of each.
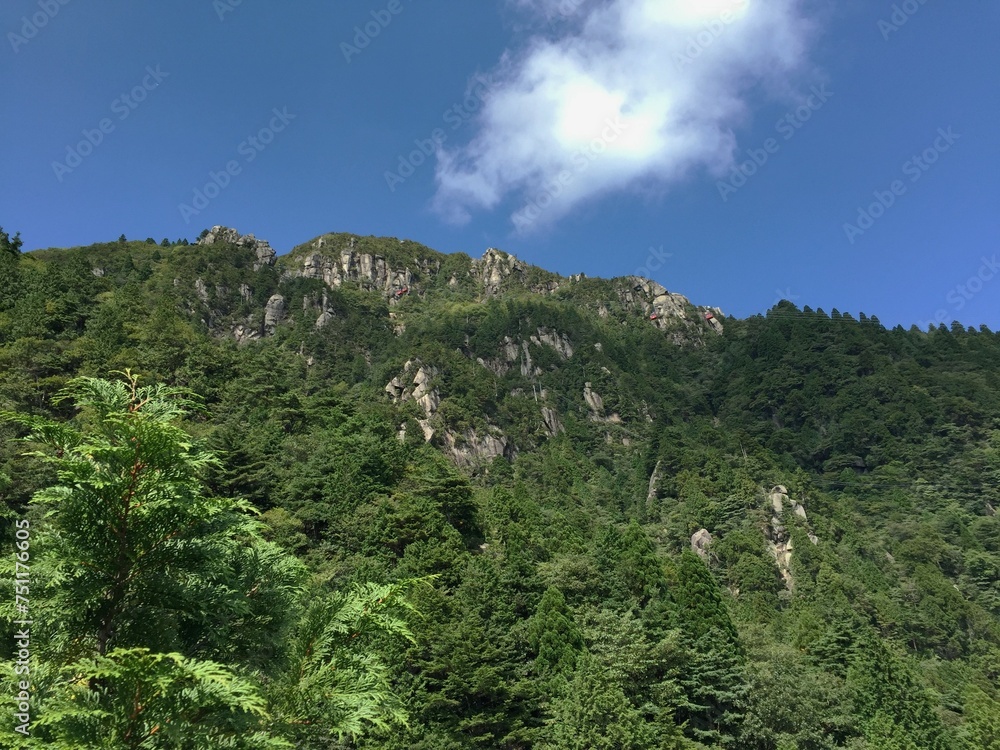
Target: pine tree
(554, 636)
(714, 682)
(10, 245)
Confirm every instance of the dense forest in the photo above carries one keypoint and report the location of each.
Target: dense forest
(367, 495)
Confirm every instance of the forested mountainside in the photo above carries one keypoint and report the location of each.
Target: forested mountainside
(468, 503)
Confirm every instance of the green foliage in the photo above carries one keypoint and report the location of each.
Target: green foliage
(161, 612)
(132, 698)
(335, 683)
(566, 609)
(554, 637)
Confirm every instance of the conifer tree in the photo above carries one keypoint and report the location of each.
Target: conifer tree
(554, 636)
(159, 612)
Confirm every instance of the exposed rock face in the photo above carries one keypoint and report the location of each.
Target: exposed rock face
(550, 418)
(778, 497)
(494, 268)
(244, 335)
(370, 271)
(337, 266)
(990, 510)
(594, 401)
(559, 342)
(262, 248)
(527, 366)
(596, 405)
(201, 289)
(655, 480)
(425, 427)
(701, 540)
(424, 394)
(471, 448)
(420, 389)
(324, 314)
(652, 300)
(779, 541)
(511, 350)
(274, 312)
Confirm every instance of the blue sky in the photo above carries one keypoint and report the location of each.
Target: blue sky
(723, 148)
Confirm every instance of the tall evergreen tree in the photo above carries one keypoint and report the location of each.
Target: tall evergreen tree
(155, 605)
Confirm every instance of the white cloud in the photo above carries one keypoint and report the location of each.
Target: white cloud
(626, 93)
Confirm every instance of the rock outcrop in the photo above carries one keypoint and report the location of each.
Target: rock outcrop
(594, 402)
(559, 342)
(663, 308)
(419, 388)
(244, 335)
(338, 261)
(274, 312)
(550, 420)
(472, 448)
(262, 248)
(596, 406)
(510, 351)
(655, 482)
(370, 271)
(701, 540)
(494, 268)
(779, 541)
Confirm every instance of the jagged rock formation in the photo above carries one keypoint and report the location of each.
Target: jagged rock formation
(494, 268)
(420, 388)
(244, 334)
(559, 342)
(661, 307)
(701, 540)
(550, 420)
(596, 405)
(511, 351)
(201, 289)
(470, 448)
(274, 312)
(779, 541)
(655, 481)
(263, 250)
(370, 271)
(594, 401)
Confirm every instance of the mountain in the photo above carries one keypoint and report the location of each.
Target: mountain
(651, 525)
